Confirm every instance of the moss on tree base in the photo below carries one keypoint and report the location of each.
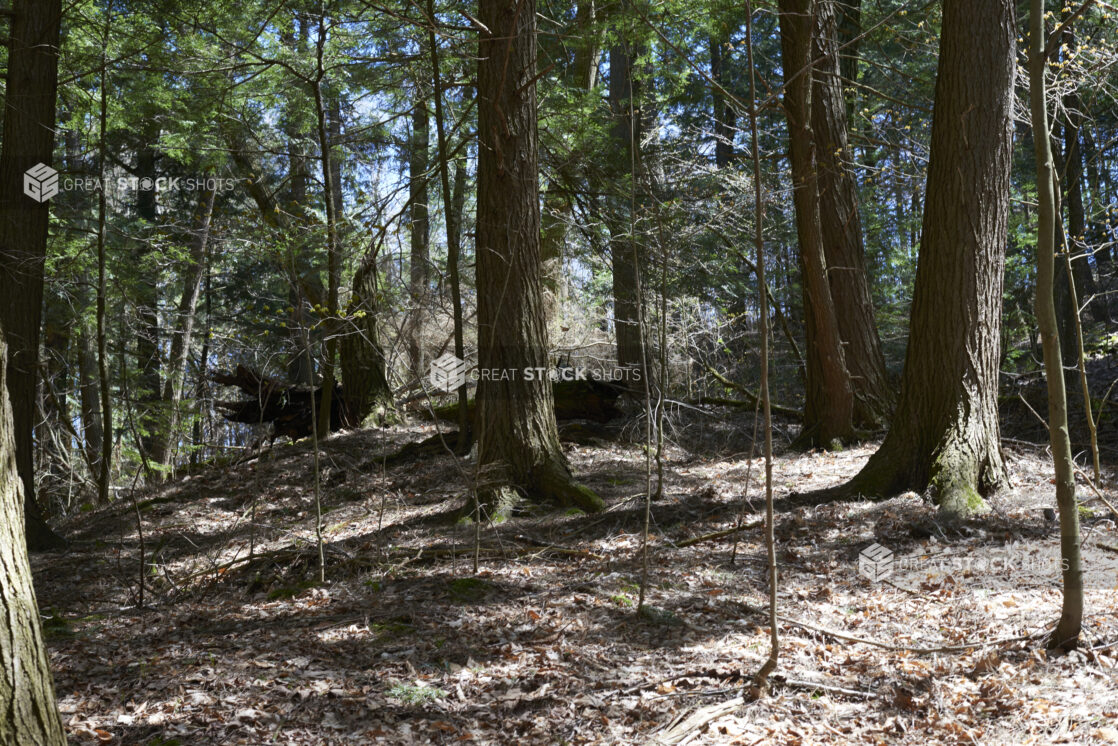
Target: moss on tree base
(551, 482)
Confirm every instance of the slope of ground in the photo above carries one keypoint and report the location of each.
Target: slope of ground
(406, 643)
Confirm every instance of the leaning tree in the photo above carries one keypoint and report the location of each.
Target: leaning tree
(944, 437)
(518, 440)
(29, 714)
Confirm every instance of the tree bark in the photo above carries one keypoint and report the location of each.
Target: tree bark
(150, 419)
(1066, 634)
(364, 372)
(724, 118)
(624, 248)
(944, 436)
(829, 399)
(849, 31)
(418, 165)
(1086, 287)
(28, 139)
(333, 250)
(30, 715)
(843, 249)
(518, 441)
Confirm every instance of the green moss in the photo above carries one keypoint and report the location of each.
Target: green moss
(467, 589)
(55, 627)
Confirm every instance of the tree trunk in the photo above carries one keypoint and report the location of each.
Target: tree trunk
(944, 435)
(162, 450)
(364, 374)
(28, 140)
(106, 460)
(518, 441)
(418, 164)
(30, 715)
(624, 247)
(89, 395)
(150, 419)
(842, 231)
(849, 33)
(1066, 635)
(829, 400)
(333, 250)
(723, 113)
(54, 462)
(557, 201)
(1085, 284)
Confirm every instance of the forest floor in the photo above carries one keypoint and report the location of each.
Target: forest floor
(405, 643)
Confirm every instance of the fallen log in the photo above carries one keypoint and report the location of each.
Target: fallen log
(287, 407)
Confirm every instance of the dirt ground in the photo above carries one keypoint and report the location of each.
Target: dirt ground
(238, 643)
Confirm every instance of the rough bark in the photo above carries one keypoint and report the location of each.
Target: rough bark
(27, 702)
(518, 440)
(28, 139)
(944, 436)
(828, 400)
(843, 248)
(364, 372)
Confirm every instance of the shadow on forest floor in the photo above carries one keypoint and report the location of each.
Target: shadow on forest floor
(406, 643)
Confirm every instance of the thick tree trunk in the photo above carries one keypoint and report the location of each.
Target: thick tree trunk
(361, 357)
(518, 441)
(183, 332)
(944, 436)
(28, 140)
(829, 399)
(842, 230)
(30, 715)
